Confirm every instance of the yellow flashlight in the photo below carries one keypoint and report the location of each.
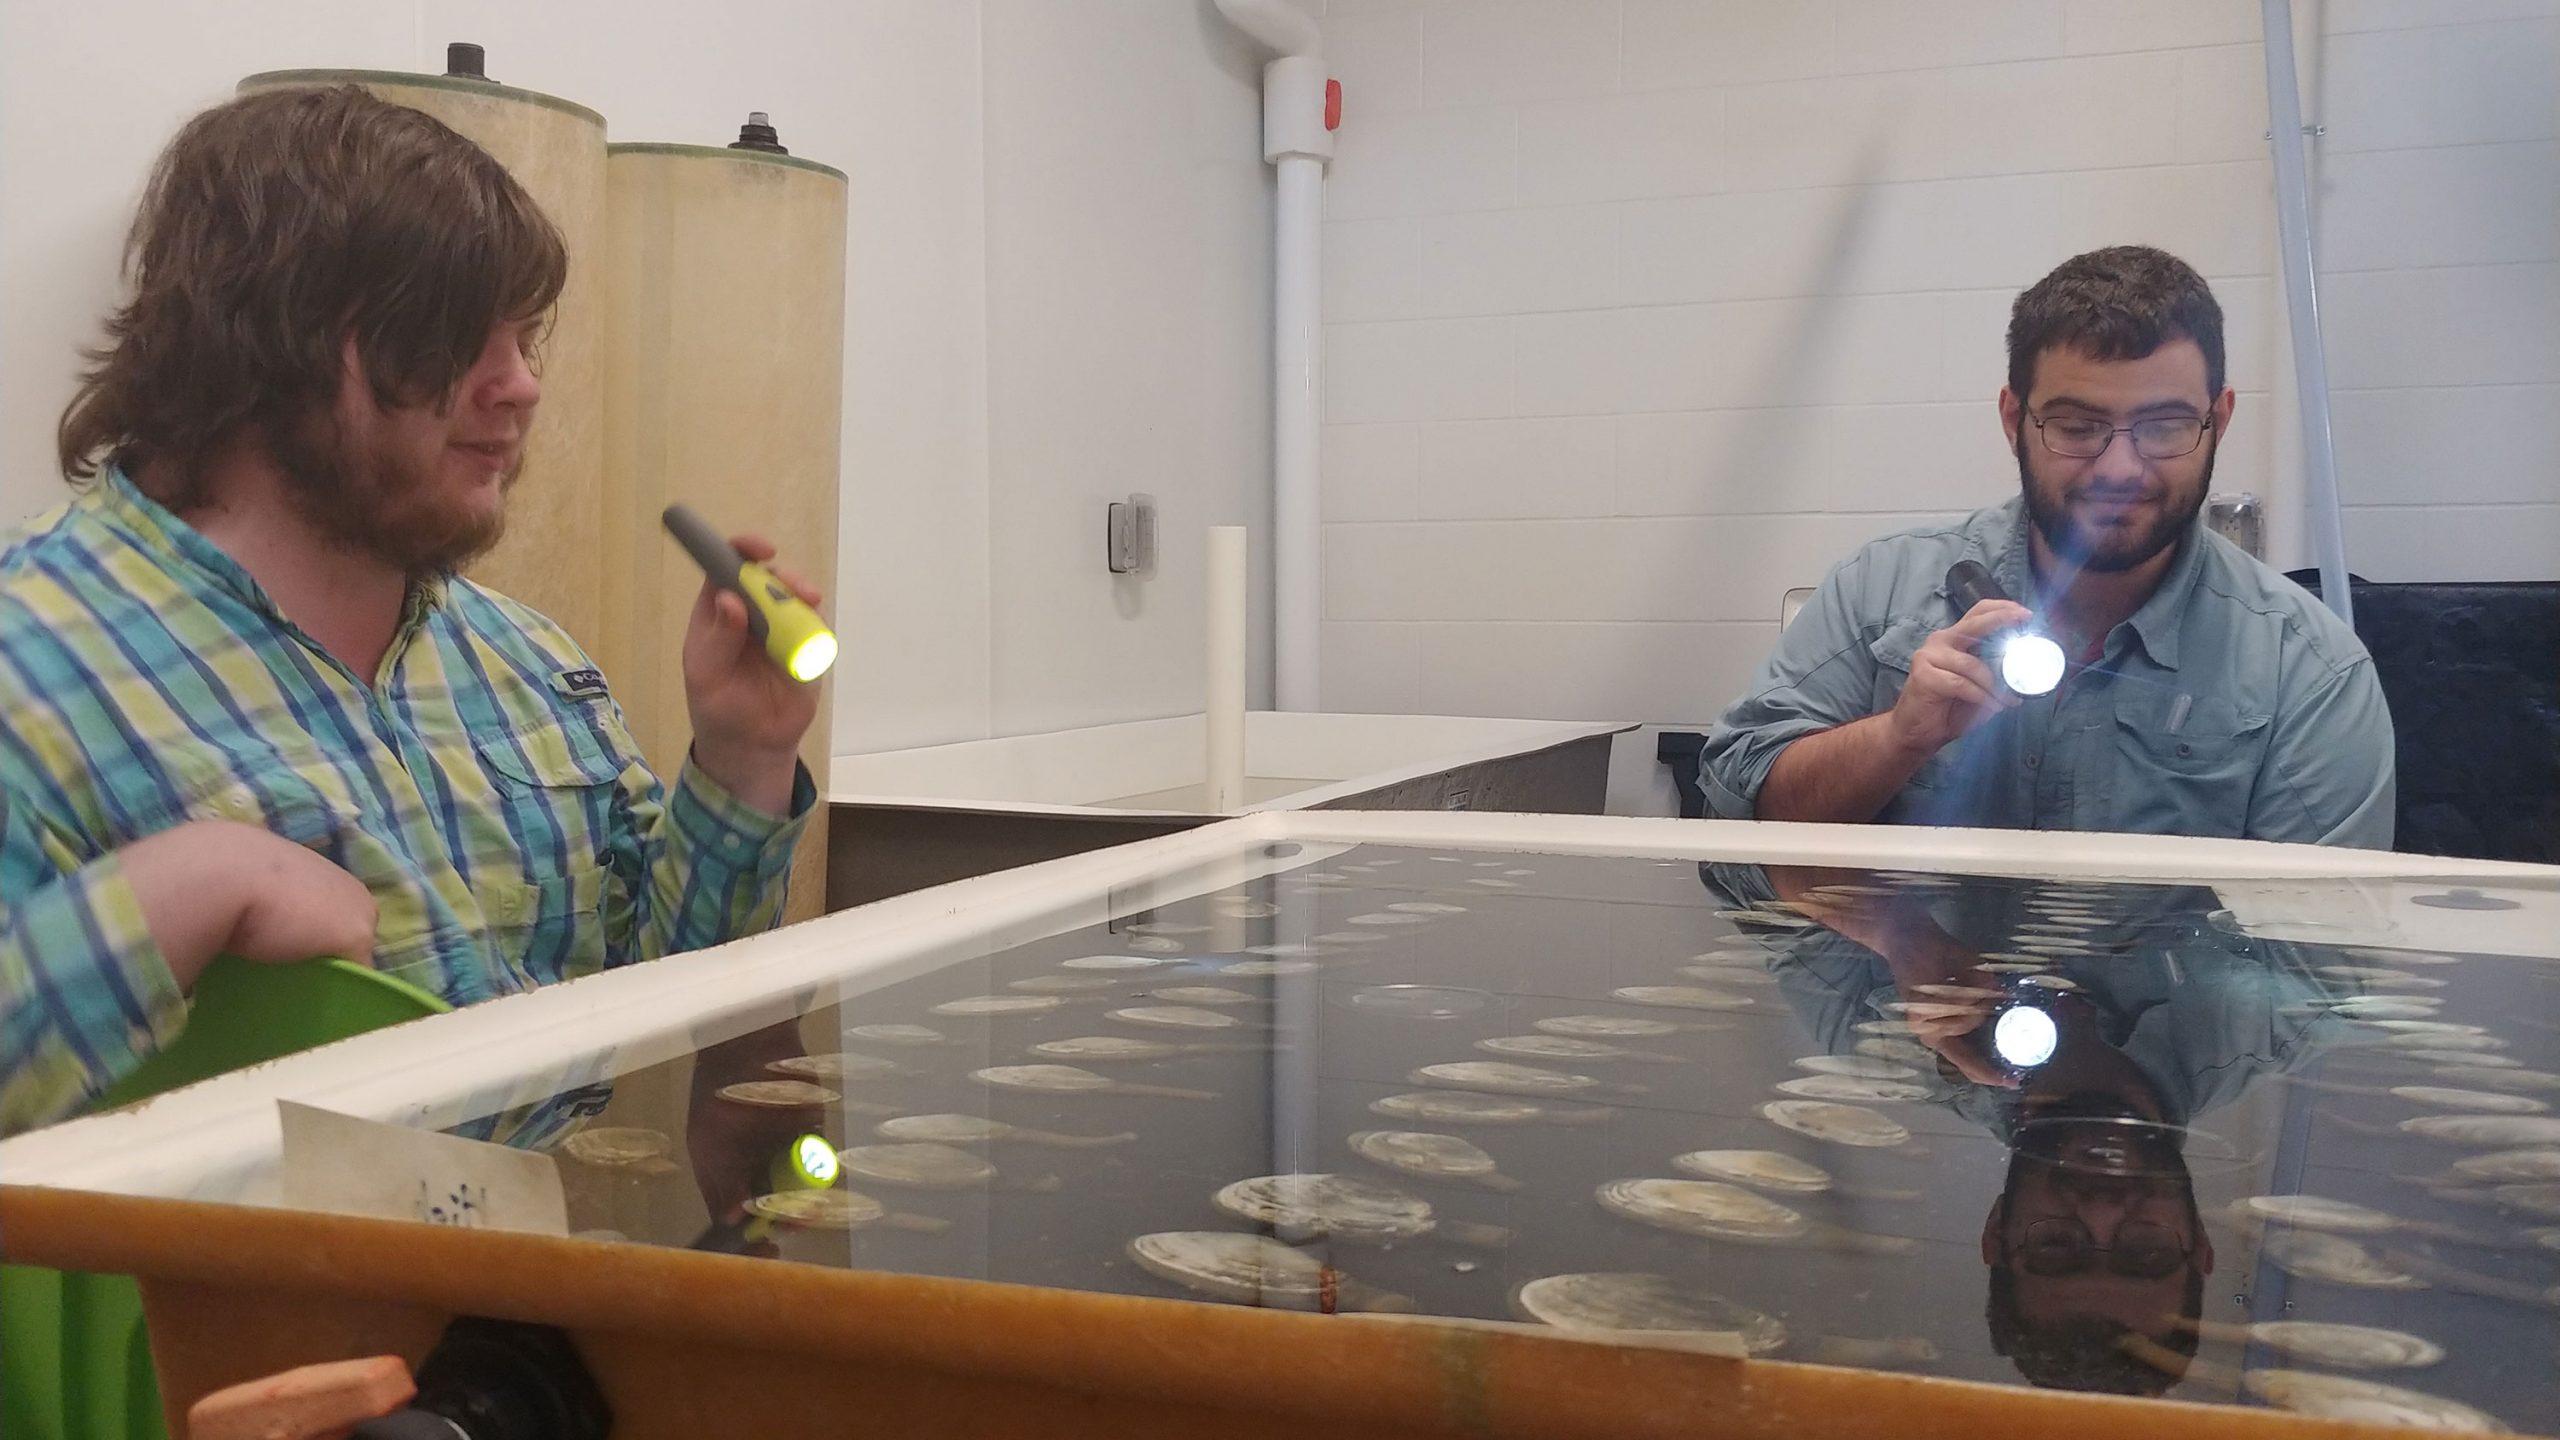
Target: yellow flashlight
(792, 633)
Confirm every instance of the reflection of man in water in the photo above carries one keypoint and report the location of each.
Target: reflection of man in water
(2095, 1234)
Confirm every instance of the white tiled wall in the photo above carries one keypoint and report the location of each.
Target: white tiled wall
(1639, 312)
(2440, 255)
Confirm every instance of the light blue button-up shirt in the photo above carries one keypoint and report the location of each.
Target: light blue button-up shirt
(2231, 704)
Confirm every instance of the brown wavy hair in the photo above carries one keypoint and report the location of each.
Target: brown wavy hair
(274, 229)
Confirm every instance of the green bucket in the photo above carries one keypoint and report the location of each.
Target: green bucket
(75, 1361)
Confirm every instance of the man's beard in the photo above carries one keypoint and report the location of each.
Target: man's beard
(375, 503)
(2074, 547)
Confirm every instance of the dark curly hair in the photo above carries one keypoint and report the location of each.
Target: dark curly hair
(2120, 303)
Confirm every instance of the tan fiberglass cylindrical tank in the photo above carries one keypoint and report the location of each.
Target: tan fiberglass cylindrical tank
(724, 385)
(552, 557)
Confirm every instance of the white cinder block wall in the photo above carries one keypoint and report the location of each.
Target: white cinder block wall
(1639, 312)
(1058, 279)
(2440, 247)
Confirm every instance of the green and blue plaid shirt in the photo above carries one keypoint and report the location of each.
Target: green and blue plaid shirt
(483, 786)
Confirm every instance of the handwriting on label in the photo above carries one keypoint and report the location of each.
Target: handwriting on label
(464, 1206)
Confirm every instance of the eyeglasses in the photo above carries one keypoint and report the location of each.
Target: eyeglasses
(2165, 437)
(2143, 1250)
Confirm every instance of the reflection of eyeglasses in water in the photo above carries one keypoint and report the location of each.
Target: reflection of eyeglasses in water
(2165, 437)
(2063, 1246)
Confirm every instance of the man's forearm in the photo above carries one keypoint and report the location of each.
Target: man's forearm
(1847, 774)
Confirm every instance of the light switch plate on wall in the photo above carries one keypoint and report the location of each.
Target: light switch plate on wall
(1129, 536)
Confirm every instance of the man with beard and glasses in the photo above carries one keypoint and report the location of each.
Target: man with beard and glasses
(247, 703)
(2206, 694)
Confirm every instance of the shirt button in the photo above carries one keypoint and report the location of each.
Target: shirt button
(2034, 760)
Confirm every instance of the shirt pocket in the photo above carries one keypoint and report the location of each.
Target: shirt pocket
(556, 785)
(2196, 779)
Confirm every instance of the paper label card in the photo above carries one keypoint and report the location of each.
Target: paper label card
(340, 1165)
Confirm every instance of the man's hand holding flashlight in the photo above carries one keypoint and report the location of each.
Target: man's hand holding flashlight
(1953, 687)
(748, 716)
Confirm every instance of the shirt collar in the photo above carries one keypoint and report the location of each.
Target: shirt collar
(2161, 619)
(160, 532)
(2156, 625)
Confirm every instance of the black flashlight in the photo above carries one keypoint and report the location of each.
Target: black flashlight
(2030, 662)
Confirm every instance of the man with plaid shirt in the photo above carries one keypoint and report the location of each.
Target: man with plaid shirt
(248, 705)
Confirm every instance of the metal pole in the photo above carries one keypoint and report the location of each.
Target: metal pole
(2302, 304)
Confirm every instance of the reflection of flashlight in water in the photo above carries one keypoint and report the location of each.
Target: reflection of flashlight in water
(2029, 660)
(810, 1164)
(2025, 1036)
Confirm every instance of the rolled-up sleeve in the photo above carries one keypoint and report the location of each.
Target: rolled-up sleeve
(2329, 776)
(1820, 676)
(84, 991)
(716, 868)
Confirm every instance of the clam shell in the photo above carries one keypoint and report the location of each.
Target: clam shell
(845, 1066)
(2535, 1199)
(1248, 1269)
(1175, 1017)
(1203, 995)
(1851, 1088)
(1454, 1107)
(1059, 1078)
(1502, 1077)
(943, 1129)
(897, 1034)
(2349, 1347)
(1602, 1301)
(818, 1209)
(1759, 1169)
(1421, 1152)
(1106, 1048)
(1838, 1124)
(779, 1094)
(1552, 1047)
(998, 1005)
(2510, 1165)
(1703, 1207)
(1622, 1027)
(614, 1145)
(2311, 1212)
(1062, 984)
(2343, 1397)
(2482, 1101)
(925, 1165)
(1862, 1067)
(2502, 1078)
(2487, 1129)
(2315, 1256)
(1681, 997)
(1342, 1206)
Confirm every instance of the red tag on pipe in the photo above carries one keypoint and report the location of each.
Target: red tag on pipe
(1333, 104)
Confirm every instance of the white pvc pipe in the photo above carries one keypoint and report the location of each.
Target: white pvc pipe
(1297, 138)
(1226, 612)
(2302, 304)
(1297, 418)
